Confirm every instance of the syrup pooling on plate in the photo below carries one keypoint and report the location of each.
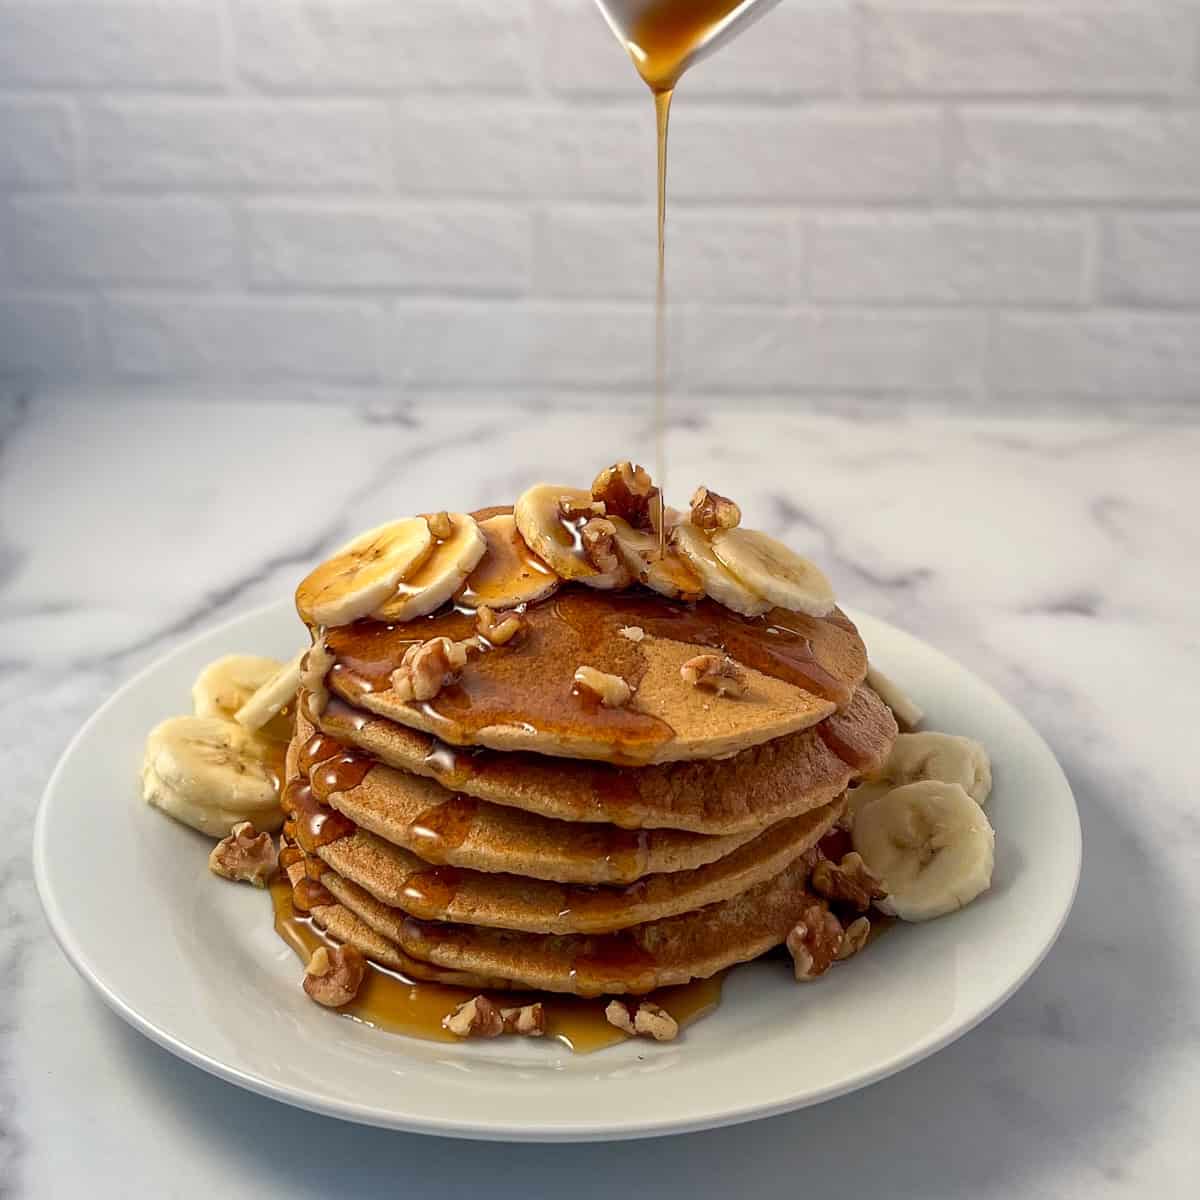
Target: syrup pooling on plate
(390, 1001)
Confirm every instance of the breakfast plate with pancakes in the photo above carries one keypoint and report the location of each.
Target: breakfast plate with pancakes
(583, 818)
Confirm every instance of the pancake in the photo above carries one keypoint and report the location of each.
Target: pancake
(662, 953)
(403, 884)
(521, 696)
(343, 925)
(450, 829)
(750, 791)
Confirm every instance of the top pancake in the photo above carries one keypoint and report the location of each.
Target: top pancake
(522, 696)
(753, 789)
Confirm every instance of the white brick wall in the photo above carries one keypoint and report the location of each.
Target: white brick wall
(974, 201)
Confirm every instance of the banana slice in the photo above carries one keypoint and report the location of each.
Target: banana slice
(719, 582)
(920, 756)
(669, 574)
(364, 573)
(903, 707)
(555, 537)
(276, 697)
(226, 684)
(454, 557)
(930, 844)
(509, 573)
(770, 569)
(211, 773)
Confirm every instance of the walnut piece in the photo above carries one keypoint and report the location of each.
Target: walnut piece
(498, 631)
(599, 549)
(245, 856)
(647, 1020)
(854, 939)
(715, 672)
(848, 881)
(440, 525)
(428, 667)
(712, 511)
(634, 633)
(334, 975)
(577, 510)
(814, 941)
(314, 667)
(477, 1017)
(628, 492)
(611, 690)
(527, 1021)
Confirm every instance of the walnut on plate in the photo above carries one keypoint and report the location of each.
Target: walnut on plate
(854, 939)
(716, 673)
(477, 1017)
(814, 941)
(712, 511)
(245, 856)
(427, 667)
(529, 1020)
(334, 974)
(627, 491)
(611, 690)
(849, 882)
(647, 1020)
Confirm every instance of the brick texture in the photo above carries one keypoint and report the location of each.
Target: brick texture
(983, 201)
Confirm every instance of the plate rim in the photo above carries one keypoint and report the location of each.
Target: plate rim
(498, 1130)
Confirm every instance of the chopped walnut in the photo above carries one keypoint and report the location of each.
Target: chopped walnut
(580, 510)
(599, 548)
(814, 941)
(711, 511)
(314, 667)
(854, 939)
(849, 881)
(498, 631)
(527, 1021)
(648, 1020)
(428, 667)
(245, 856)
(611, 690)
(628, 492)
(634, 633)
(716, 672)
(477, 1017)
(440, 525)
(334, 975)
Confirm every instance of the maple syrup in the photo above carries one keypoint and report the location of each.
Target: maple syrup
(391, 1001)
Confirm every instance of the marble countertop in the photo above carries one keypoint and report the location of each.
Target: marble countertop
(1058, 559)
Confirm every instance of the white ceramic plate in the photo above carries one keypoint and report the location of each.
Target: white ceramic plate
(195, 964)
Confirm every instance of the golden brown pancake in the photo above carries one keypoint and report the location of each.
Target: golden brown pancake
(403, 884)
(756, 788)
(662, 953)
(450, 829)
(340, 923)
(522, 695)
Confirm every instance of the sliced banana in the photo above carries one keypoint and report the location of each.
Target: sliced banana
(509, 573)
(919, 756)
(454, 557)
(364, 573)
(277, 695)
(906, 710)
(668, 574)
(719, 582)
(930, 844)
(226, 684)
(772, 570)
(211, 773)
(538, 514)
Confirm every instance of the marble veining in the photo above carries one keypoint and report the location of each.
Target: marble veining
(1060, 559)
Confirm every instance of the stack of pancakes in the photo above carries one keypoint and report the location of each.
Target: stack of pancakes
(513, 831)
